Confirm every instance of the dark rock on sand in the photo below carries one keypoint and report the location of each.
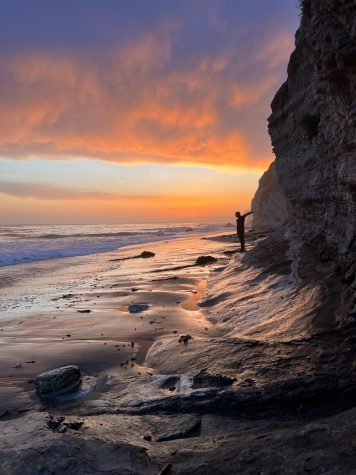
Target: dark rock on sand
(68, 296)
(204, 260)
(184, 339)
(143, 255)
(58, 381)
(137, 307)
(147, 254)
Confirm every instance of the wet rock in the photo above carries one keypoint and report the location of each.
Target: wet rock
(204, 260)
(147, 254)
(137, 307)
(58, 381)
(184, 339)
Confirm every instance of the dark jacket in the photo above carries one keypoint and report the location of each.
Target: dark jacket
(240, 223)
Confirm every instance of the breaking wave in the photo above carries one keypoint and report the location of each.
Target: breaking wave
(19, 244)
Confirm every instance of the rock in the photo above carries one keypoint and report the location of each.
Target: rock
(137, 307)
(76, 425)
(84, 311)
(270, 205)
(29, 447)
(59, 381)
(204, 260)
(67, 296)
(55, 424)
(147, 254)
(184, 339)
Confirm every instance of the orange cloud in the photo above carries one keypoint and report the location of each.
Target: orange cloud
(139, 106)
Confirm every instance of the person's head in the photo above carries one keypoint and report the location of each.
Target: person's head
(237, 214)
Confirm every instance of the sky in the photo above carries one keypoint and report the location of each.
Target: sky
(119, 111)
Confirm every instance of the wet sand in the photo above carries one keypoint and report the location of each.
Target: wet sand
(76, 311)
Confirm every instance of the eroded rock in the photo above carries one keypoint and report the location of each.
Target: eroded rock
(58, 381)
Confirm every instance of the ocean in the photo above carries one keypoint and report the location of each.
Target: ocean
(28, 243)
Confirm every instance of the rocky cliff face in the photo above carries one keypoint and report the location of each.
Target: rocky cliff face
(313, 132)
(270, 206)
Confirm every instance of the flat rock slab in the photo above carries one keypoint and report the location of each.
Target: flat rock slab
(172, 427)
(29, 447)
(58, 381)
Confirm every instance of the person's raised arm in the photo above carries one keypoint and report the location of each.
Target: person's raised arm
(246, 214)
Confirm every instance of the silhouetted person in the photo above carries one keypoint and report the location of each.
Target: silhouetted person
(240, 228)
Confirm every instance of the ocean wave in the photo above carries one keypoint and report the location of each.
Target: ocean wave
(157, 232)
(36, 243)
(81, 235)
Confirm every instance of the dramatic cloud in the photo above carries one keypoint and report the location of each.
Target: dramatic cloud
(142, 82)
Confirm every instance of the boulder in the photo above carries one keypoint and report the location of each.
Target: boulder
(137, 307)
(204, 260)
(58, 381)
(146, 254)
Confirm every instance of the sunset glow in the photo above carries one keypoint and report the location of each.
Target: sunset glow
(139, 110)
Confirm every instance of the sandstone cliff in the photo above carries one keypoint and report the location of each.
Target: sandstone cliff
(270, 206)
(313, 132)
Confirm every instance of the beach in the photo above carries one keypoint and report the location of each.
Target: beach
(75, 310)
(184, 367)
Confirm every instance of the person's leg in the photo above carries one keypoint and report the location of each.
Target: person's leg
(242, 241)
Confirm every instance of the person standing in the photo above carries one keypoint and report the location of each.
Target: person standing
(240, 228)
